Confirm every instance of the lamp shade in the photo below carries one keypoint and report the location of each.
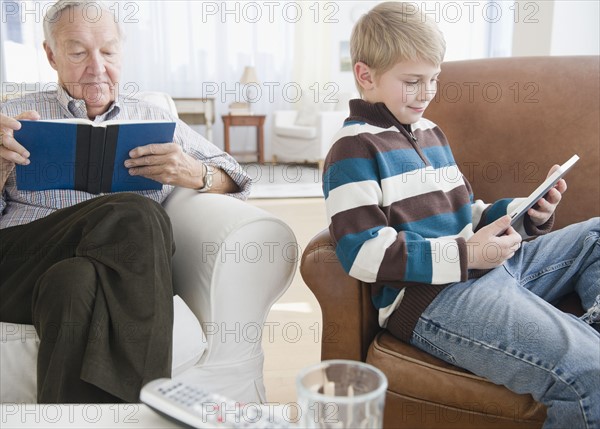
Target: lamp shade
(249, 76)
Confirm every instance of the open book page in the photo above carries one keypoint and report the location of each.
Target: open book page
(83, 121)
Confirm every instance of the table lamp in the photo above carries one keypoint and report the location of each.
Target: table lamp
(248, 78)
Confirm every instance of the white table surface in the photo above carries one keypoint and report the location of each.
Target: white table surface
(100, 416)
(81, 416)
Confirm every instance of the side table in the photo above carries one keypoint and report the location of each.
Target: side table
(197, 111)
(249, 121)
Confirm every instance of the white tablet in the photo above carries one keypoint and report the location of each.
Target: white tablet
(542, 190)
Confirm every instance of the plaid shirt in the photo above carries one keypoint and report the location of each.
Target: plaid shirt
(21, 207)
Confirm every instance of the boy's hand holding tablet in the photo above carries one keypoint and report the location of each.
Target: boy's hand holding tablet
(543, 201)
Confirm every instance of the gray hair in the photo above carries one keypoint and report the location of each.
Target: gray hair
(54, 13)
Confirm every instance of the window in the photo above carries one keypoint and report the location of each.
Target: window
(22, 55)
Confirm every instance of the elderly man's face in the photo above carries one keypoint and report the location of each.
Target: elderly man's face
(87, 57)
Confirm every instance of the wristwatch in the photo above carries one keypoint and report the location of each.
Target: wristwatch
(208, 178)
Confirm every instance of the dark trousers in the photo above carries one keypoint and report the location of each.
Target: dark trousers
(95, 281)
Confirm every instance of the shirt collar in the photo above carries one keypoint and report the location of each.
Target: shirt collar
(376, 114)
(78, 110)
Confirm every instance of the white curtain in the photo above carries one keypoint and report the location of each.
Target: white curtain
(200, 49)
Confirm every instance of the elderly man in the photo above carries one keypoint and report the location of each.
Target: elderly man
(93, 273)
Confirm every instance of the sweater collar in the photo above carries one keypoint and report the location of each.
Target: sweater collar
(376, 114)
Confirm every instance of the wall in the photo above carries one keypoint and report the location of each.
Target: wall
(576, 28)
(349, 13)
(556, 27)
(463, 23)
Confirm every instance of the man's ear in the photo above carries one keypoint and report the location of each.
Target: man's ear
(364, 75)
(49, 54)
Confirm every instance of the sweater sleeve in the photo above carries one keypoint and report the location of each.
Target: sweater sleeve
(484, 213)
(368, 247)
(524, 226)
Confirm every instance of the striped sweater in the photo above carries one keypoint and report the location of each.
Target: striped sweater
(400, 211)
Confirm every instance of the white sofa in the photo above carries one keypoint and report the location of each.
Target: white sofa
(232, 262)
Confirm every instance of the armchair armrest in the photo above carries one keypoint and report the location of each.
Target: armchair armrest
(349, 318)
(232, 262)
(160, 99)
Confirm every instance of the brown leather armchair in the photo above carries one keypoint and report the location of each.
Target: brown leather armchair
(508, 120)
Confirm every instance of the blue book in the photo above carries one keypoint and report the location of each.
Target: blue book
(81, 155)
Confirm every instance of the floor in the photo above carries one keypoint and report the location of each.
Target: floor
(292, 334)
(284, 180)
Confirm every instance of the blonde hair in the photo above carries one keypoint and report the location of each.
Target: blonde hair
(392, 32)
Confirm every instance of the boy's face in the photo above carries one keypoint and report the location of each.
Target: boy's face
(406, 89)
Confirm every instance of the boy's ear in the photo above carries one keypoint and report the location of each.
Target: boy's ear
(364, 75)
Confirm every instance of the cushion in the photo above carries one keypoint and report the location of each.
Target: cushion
(18, 362)
(307, 116)
(420, 382)
(189, 341)
(296, 131)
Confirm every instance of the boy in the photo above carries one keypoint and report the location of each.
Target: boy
(404, 219)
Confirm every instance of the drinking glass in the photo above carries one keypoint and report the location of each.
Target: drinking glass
(341, 394)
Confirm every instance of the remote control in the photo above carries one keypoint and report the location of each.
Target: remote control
(190, 405)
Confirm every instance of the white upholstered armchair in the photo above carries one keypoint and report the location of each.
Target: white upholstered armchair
(232, 262)
(305, 135)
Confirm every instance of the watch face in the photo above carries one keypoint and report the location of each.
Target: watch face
(208, 178)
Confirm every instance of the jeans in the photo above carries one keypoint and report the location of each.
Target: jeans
(504, 327)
